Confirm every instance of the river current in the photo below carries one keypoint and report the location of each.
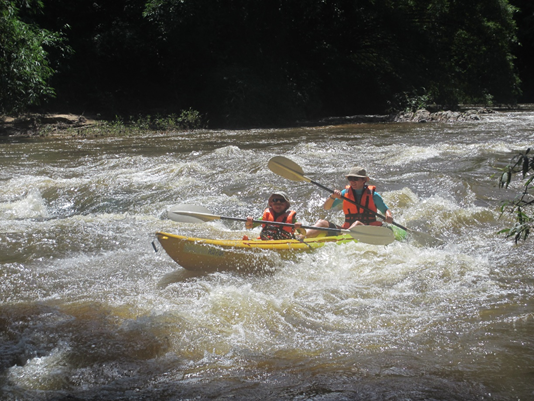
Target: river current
(89, 310)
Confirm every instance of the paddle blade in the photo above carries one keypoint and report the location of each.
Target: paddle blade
(190, 214)
(287, 168)
(375, 235)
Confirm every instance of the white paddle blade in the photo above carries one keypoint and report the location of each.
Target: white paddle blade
(190, 214)
(375, 235)
(287, 168)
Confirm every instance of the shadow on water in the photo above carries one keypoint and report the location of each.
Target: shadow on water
(91, 352)
(178, 276)
(77, 349)
(183, 275)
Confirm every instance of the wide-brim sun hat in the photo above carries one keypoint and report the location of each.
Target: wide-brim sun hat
(282, 194)
(357, 171)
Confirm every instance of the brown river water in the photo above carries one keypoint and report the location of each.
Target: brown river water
(89, 311)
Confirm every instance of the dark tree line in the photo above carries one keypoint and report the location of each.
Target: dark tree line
(269, 62)
(523, 49)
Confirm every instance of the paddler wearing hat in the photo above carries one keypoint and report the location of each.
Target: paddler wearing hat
(278, 210)
(359, 191)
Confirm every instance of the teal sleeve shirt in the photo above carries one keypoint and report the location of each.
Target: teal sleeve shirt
(379, 202)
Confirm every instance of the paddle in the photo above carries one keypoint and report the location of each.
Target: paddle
(198, 214)
(292, 171)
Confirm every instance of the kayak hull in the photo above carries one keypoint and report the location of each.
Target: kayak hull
(202, 254)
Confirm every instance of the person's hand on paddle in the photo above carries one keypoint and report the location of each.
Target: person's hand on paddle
(300, 233)
(299, 229)
(249, 223)
(330, 200)
(292, 171)
(389, 217)
(336, 194)
(199, 214)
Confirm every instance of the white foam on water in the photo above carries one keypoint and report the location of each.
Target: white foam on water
(31, 206)
(49, 372)
(341, 296)
(456, 314)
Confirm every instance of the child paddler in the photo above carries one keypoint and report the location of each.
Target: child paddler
(277, 211)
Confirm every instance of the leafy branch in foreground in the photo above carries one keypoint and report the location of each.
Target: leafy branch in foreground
(523, 206)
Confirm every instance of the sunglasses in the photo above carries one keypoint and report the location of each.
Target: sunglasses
(355, 178)
(278, 200)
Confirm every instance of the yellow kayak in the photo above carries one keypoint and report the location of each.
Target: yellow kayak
(202, 254)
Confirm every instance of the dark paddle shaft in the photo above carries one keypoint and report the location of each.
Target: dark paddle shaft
(292, 171)
(277, 223)
(357, 204)
(365, 234)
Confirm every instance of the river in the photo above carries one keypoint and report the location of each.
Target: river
(89, 310)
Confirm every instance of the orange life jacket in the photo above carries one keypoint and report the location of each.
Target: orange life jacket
(277, 232)
(354, 213)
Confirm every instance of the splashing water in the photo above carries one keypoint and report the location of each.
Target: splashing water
(89, 310)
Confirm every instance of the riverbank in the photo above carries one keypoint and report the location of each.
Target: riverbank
(80, 126)
(465, 113)
(41, 125)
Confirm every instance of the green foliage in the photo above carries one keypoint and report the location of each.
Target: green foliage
(461, 51)
(24, 64)
(267, 62)
(361, 55)
(412, 101)
(523, 49)
(118, 126)
(523, 206)
(188, 119)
